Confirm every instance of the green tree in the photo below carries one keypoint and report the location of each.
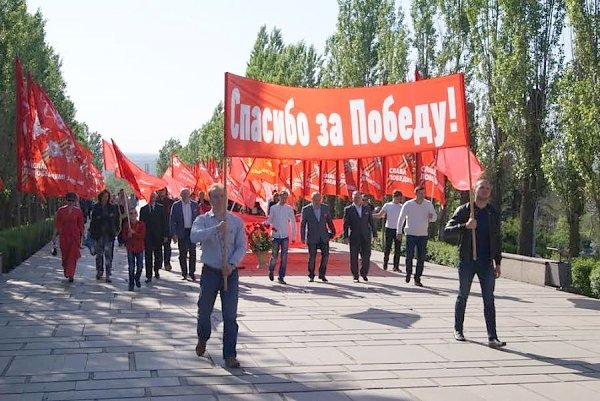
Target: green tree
(579, 98)
(171, 146)
(369, 46)
(527, 70)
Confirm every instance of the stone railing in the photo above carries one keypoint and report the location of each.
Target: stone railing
(538, 271)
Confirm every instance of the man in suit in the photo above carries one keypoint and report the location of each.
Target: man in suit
(153, 216)
(359, 229)
(316, 229)
(167, 203)
(183, 214)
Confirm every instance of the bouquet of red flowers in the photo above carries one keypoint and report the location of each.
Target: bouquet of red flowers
(258, 238)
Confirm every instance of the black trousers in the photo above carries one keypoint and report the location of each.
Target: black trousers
(362, 247)
(312, 257)
(187, 249)
(390, 237)
(153, 258)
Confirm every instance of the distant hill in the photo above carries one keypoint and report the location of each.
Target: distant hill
(145, 161)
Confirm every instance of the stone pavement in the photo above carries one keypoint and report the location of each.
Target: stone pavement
(381, 340)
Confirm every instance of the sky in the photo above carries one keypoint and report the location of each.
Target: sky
(143, 71)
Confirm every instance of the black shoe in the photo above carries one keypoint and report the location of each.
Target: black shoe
(407, 278)
(108, 280)
(168, 267)
(356, 280)
(495, 343)
(385, 266)
(184, 278)
(156, 275)
(70, 279)
(130, 288)
(365, 278)
(311, 279)
(281, 281)
(193, 276)
(137, 283)
(459, 336)
(418, 282)
(148, 280)
(397, 269)
(324, 279)
(271, 276)
(98, 276)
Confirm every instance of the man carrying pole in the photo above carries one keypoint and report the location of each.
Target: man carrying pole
(482, 219)
(219, 231)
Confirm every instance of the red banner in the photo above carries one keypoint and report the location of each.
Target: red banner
(371, 177)
(281, 122)
(453, 163)
(329, 179)
(110, 160)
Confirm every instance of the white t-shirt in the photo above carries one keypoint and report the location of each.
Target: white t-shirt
(392, 212)
(417, 217)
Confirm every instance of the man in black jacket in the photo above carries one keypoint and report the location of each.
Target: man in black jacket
(156, 233)
(488, 238)
(359, 230)
(104, 226)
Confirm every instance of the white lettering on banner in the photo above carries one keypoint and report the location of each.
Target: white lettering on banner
(423, 124)
(235, 100)
(399, 178)
(397, 170)
(335, 135)
(410, 124)
(267, 133)
(429, 174)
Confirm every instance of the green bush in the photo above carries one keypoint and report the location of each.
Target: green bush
(442, 253)
(581, 269)
(595, 280)
(510, 235)
(19, 243)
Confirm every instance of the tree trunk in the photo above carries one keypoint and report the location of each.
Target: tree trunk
(574, 237)
(526, 216)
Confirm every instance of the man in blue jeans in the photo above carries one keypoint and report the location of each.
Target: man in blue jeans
(485, 220)
(417, 213)
(218, 229)
(281, 215)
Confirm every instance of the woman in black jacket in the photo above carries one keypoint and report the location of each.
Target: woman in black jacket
(104, 227)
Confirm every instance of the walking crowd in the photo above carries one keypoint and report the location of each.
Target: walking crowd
(187, 222)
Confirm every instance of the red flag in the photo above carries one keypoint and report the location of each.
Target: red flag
(452, 162)
(25, 167)
(399, 176)
(204, 179)
(313, 178)
(182, 173)
(371, 177)
(329, 178)
(110, 160)
(430, 178)
(348, 177)
(174, 186)
(142, 183)
(263, 169)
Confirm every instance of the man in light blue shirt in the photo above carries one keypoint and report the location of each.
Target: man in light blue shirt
(211, 229)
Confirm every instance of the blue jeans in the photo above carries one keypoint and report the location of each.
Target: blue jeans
(211, 283)
(420, 242)
(283, 244)
(135, 260)
(487, 281)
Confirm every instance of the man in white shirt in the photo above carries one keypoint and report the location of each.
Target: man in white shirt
(391, 211)
(280, 216)
(417, 213)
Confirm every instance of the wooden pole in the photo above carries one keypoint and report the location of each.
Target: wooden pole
(471, 204)
(224, 249)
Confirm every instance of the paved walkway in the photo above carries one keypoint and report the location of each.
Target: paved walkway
(382, 340)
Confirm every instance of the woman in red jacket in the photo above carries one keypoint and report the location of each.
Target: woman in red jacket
(68, 226)
(133, 234)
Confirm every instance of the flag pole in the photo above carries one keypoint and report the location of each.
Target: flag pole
(471, 204)
(224, 249)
